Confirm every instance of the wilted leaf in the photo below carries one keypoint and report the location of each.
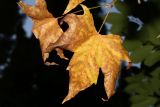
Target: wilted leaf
(72, 4)
(92, 51)
(74, 36)
(45, 26)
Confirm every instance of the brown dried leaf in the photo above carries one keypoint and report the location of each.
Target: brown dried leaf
(37, 12)
(45, 26)
(71, 5)
(81, 28)
(92, 51)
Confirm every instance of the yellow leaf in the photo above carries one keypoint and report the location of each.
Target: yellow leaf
(97, 51)
(71, 5)
(100, 51)
(92, 51)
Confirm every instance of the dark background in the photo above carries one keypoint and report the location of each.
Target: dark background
(27, 82)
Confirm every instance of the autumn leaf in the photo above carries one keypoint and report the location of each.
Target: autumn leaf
(73, 37)
(92, 51)
(100, 51)
(71, 5)
(45, 26)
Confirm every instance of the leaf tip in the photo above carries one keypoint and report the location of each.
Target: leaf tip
(129, 65)
(67, 98)
(20, 4)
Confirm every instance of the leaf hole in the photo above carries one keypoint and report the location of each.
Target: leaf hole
(64, 26)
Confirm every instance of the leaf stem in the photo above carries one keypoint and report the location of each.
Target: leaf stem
(104, 20)
(110, 7)
(95, 7)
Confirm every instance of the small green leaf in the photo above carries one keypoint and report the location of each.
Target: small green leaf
(132, 79)
(141, 53)
(142, 87)
(131, 45)
(138, 98)
(152, 58)
(150, 101)
(155, 85)
(158, 36)
(156, 72)
(136, 88)
(122, 7)
(118, 22)
(149, 32)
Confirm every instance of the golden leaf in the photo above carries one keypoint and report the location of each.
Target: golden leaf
(92, 51)
(96, 51)
(72, 4)
(100, 51)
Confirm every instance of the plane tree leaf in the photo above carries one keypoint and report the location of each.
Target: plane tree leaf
(92, 50)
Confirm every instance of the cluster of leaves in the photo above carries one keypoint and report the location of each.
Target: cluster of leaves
(91, 50)
(144, 45)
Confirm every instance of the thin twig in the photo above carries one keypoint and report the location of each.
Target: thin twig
(110, 7)
(95, 7)
(104, 20)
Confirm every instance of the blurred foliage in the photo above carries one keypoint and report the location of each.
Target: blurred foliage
(143, 85)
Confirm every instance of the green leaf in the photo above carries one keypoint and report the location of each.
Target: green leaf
(131, 87)
(156, 73)
(142, 87)
(135, 78)
(145, 103)
(146, 85)
(141, 53)
(118, 22)
(138, 98)
(152, 58)
(122, 7)
(155, 85)
(158, 36)
(131, 45)
(136, 88)
(153, 31)
(149, 32)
